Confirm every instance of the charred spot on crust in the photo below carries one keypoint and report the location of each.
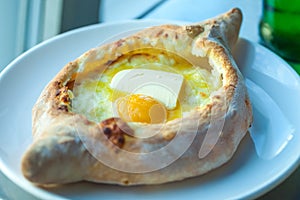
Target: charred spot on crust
(70, 84)
(125, 182)
(194, 30)
(115, 130)
(57, 84)
(120, 42)
(57, 93)
(217, 97)
(107, 131)
(159, 33)
(63, 99)
(247, 102)
(63, 108)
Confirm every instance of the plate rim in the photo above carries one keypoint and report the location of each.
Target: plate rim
(37, 192)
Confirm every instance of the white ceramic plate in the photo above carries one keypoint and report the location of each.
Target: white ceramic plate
(265, 157)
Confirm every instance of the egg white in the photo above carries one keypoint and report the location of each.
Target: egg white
(94, 98)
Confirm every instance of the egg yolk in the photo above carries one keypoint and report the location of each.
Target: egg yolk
(141, 108)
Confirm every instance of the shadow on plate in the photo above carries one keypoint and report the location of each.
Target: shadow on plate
(86, 189)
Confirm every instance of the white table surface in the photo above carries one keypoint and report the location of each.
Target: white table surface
(184, 10)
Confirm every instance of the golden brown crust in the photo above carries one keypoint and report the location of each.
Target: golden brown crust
(68, 147)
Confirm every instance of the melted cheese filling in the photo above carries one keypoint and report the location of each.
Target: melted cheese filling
(94, 98)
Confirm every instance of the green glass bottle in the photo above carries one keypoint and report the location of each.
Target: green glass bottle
(280, 29)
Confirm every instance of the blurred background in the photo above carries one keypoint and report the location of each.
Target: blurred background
(25, 23)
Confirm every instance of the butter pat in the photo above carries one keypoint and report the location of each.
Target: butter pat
(162, 86)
